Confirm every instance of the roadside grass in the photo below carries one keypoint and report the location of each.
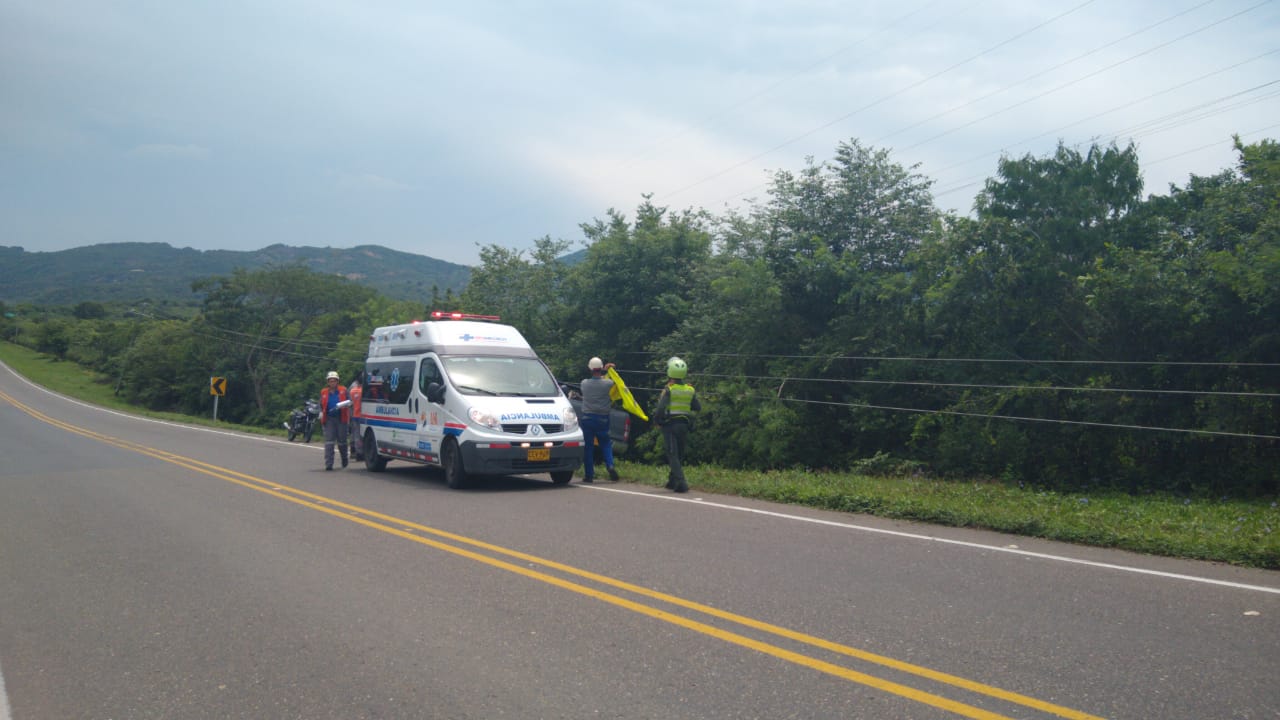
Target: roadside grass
(1236, 531)
(81, 383)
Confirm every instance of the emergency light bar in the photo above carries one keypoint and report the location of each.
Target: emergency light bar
(442, 315)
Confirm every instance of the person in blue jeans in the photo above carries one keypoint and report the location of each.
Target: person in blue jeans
(596, 404)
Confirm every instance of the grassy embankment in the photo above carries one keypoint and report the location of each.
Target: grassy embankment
(1243, 532)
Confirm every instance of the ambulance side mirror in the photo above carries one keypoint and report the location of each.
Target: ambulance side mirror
(435, 393)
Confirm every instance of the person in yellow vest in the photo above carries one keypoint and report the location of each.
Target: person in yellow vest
(674, 414)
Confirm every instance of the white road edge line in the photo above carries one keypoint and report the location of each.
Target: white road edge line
(4, 699)
(961, 543)
(770, 513)
(166, 423)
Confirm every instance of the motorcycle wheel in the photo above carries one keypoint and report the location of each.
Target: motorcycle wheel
(310, 430)
(293, 433)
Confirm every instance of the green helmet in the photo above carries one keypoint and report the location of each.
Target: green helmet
(676, 368)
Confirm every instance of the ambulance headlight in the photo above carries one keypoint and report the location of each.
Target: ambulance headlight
(484, 418)
(570, 418)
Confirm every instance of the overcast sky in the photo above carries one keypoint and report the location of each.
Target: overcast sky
(437, 128)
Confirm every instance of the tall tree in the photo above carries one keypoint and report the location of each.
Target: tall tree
(527, 292)
(276, 321)
(637, 281)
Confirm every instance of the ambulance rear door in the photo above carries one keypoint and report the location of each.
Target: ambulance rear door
(386, 407)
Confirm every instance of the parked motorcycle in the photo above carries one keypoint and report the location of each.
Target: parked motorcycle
(302, 421)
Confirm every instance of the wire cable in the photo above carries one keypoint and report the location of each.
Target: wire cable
(1095, 73)
(971, 360)
(884, 98)
(808, 68)
(982, 386)
(1220, 433)
(1041, 73)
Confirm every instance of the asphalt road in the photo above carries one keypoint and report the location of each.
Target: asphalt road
(153, 570)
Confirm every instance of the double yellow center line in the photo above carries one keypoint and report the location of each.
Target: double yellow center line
(458, 545)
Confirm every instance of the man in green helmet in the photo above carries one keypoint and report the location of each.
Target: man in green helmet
(674, 414)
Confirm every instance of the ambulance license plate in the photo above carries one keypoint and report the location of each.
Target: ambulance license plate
(539, 454)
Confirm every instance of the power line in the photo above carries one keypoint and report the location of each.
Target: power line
(706, 119)
(1209, 145)
(779, 397)
(1183, 117)
(1045, 71)
(977, 386)
(981, 386)
(1112, 66)
(274, 351)
(976, 180)
(973, 360)
(1095, 116)
(1219, 433)
(818, 63)
(279, 338)
(890, 96)
(957, 185)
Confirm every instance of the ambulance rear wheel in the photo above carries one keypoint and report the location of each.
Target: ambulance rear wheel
(371, 459)
(451, 458)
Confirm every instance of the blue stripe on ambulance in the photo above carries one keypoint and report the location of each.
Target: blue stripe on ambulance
(393, 424)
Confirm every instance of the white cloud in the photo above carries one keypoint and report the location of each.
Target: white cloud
(172, 151)
(514, 121)
(366, 181)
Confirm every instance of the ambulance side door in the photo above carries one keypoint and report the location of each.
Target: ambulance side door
(431, 416)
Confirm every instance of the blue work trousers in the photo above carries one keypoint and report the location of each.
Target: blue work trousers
(595, 428)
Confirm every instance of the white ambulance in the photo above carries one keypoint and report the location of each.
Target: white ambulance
(466, 394)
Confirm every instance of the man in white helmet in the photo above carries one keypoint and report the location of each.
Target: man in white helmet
(335, 415)
(596, 405)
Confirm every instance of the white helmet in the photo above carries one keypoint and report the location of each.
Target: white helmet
(333, 375)
(595, 363)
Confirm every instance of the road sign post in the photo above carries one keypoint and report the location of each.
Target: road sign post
(217, 388)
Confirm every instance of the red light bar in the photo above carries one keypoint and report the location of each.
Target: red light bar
(442, 315)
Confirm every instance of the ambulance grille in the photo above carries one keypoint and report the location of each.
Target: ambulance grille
(524, 429)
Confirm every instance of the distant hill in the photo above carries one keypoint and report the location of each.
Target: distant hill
(127, 272)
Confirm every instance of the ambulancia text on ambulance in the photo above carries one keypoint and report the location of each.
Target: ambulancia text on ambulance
(469, 395)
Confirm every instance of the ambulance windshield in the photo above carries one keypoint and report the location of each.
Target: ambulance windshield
(518, 376)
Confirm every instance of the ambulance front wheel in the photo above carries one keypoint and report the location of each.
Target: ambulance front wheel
(562, 478)
(451, 458)
(371, 459)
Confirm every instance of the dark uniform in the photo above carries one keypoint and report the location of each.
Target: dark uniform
(674, 414)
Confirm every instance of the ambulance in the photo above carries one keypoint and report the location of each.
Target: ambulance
(466, 394)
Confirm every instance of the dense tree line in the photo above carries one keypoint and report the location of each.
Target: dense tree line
(1067, 332)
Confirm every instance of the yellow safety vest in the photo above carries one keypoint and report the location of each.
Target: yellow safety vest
(680, 400)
